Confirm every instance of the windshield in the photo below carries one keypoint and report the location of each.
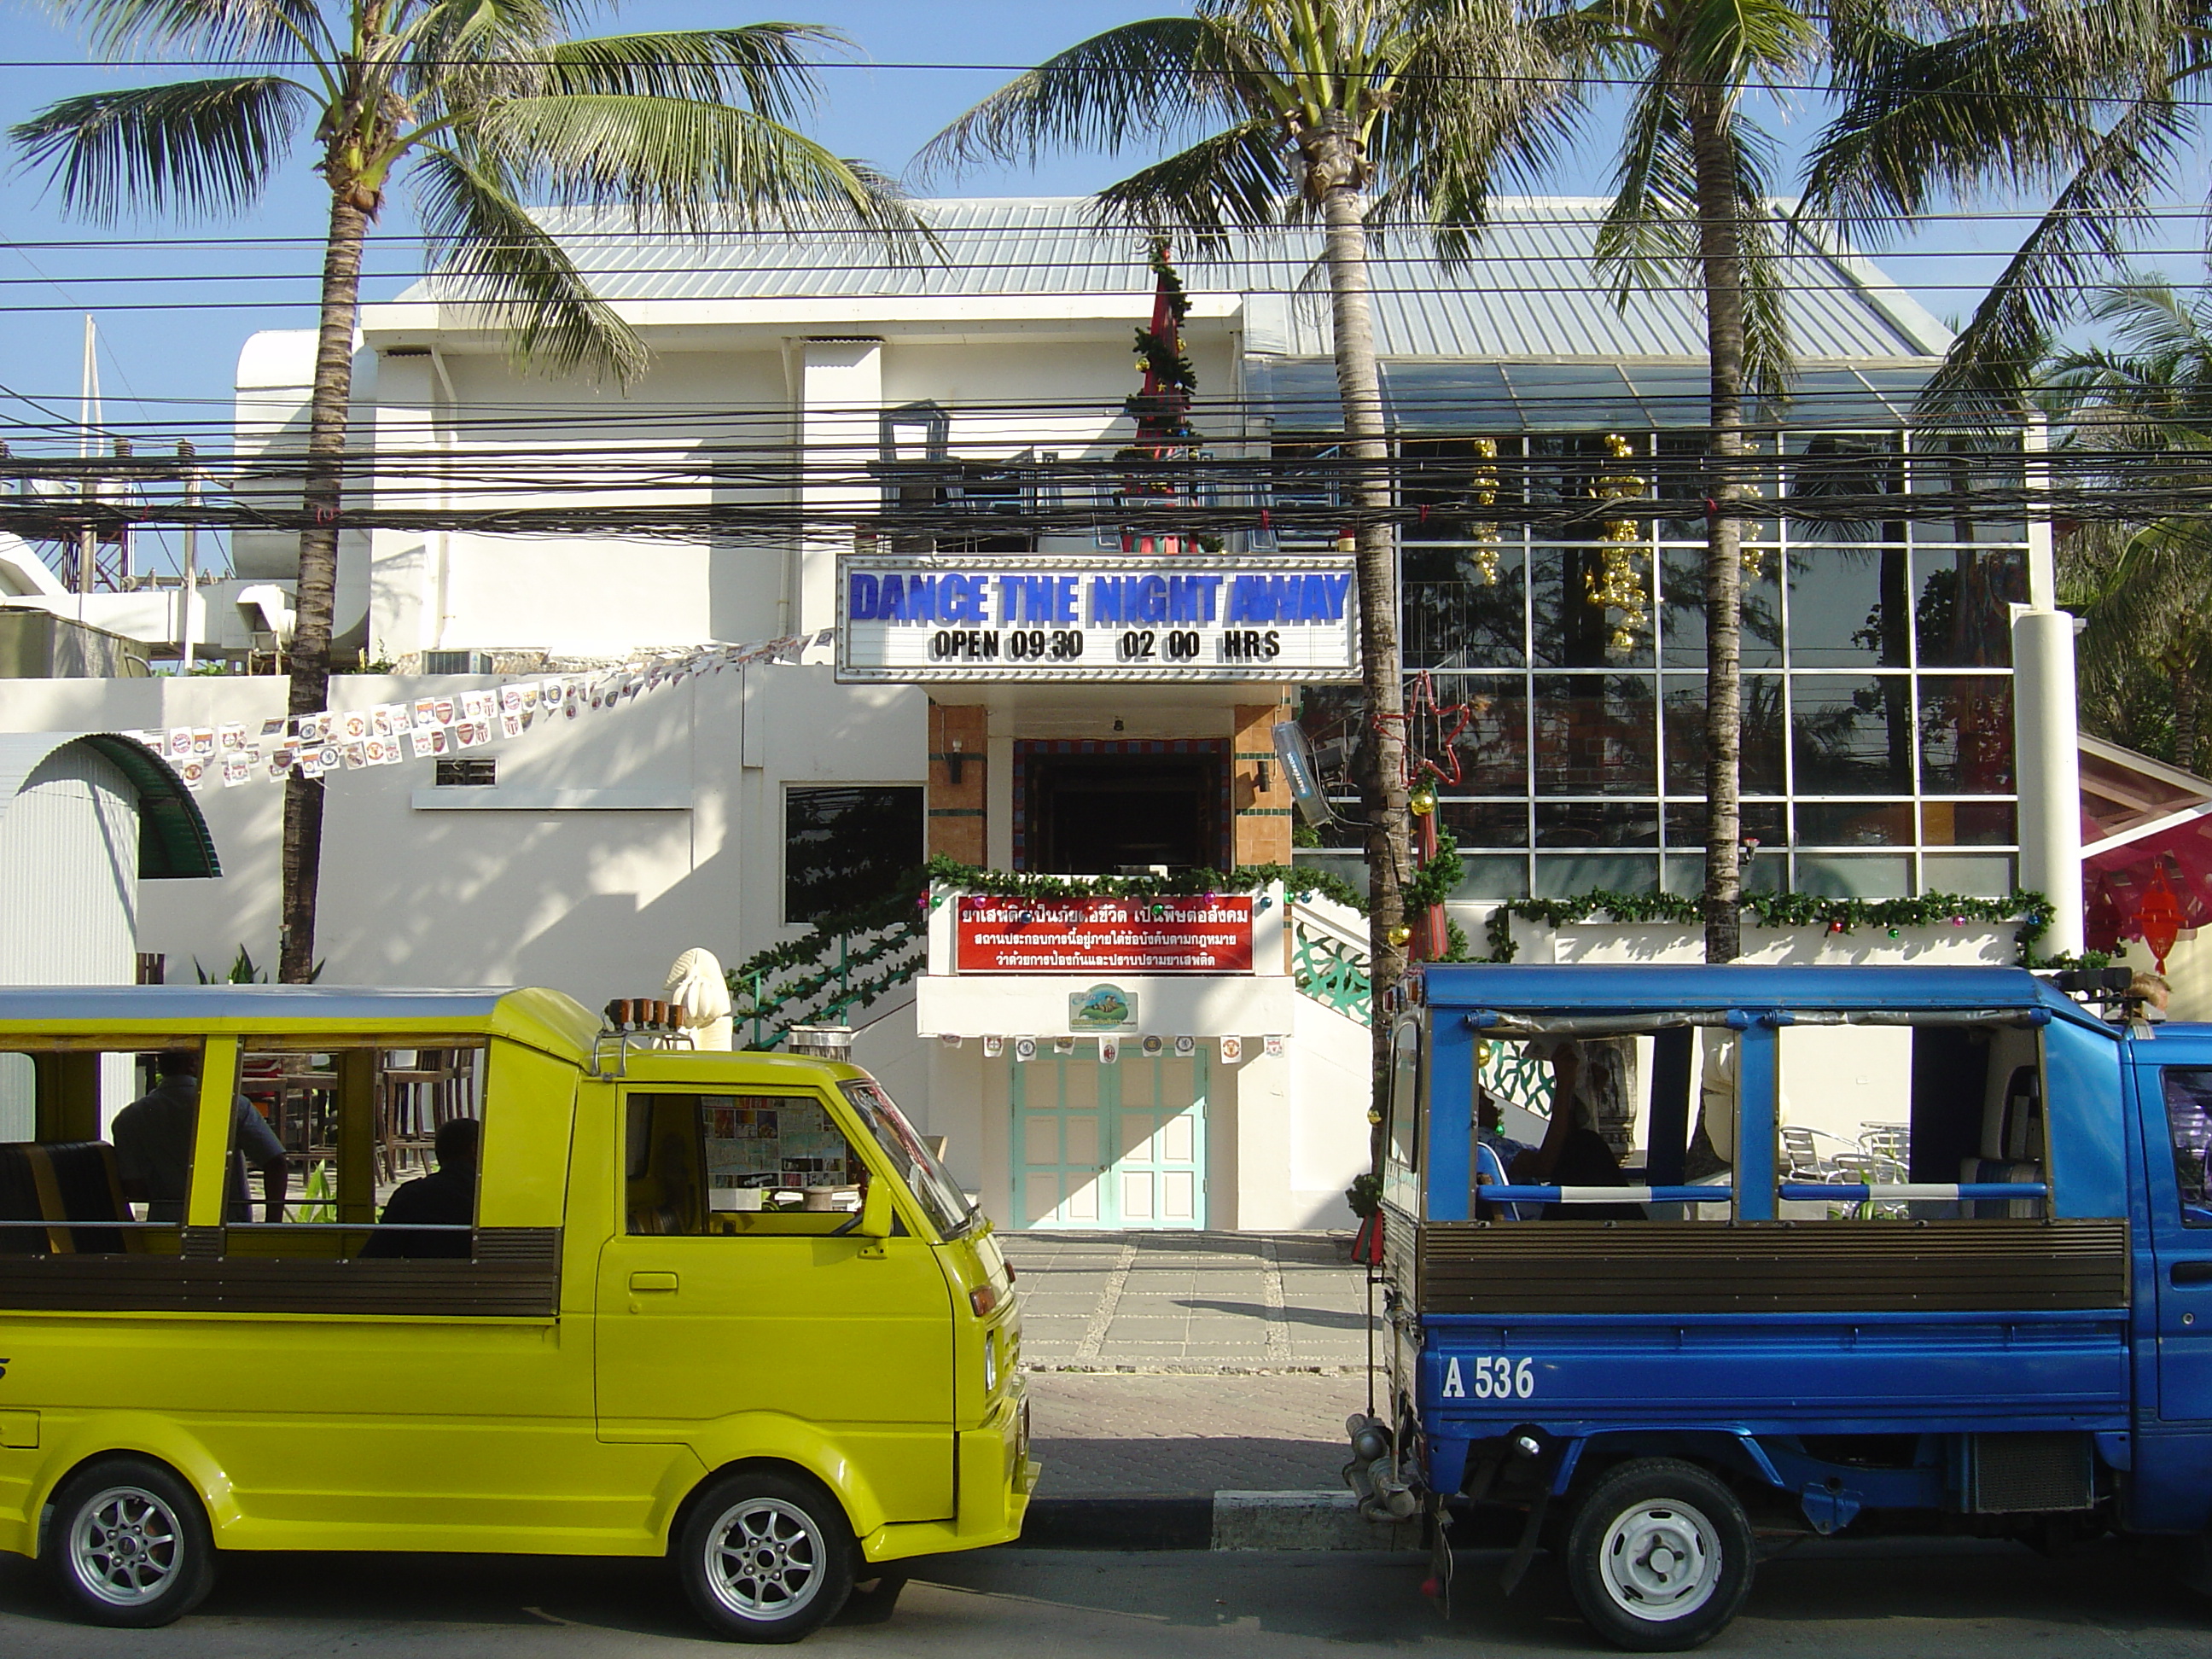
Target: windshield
(940, 1195)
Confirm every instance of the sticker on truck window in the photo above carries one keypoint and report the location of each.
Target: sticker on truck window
(1496, 1377)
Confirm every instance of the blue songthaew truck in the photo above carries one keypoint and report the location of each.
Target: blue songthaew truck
(1678, 1259)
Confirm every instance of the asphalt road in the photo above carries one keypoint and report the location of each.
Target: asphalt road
(1831, 1601)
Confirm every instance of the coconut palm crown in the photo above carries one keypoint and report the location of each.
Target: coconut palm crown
(482, 105)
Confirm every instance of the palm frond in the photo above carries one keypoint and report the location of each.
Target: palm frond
(1143, 80)
(1240, 179)
(697, 166)
(201, 28)
(490, 253)
(767, 67)
(1647, 232)
(189, 147)
(2079, 239)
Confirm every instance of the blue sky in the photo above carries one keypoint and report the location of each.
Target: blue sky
(166, 365)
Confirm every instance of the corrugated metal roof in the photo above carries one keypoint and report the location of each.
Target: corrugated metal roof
(1530, 290)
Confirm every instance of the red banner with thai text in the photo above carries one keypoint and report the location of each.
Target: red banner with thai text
(1193, 935)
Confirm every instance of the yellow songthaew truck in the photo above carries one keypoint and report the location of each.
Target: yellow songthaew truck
(313, 1268)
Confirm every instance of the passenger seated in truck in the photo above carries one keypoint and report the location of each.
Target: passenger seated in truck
(1573, 1152)
(446, 1198)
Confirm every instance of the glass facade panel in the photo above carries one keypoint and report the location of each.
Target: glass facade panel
(1969, 823)
(1464, 607)
(1961, 605)
(1766, 822)
(1493, 746)
(1855, 824)
(1597, 823)
(1596, 734)
(1851, 735)
(1844, 875)
(1761, 743)
(1682, 609)
(1486, 822)
(1849, 606)
(1502, 877)
(1969, 872)
(1965, 734)
(1564, 875)
(1574, 625)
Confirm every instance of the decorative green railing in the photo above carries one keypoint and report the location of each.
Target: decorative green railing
(1329, 968)
(1508, 1071)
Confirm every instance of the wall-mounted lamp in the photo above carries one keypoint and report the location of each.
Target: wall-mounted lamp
(953, 761)
(1266, 781)
(1117, 722)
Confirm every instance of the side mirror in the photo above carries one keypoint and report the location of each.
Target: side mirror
(873, 1222)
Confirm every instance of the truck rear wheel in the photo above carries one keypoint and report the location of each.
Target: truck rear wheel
(765, 1556)
(127, 1545)
(1660, 1556)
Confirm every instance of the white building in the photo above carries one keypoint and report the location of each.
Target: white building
(730, 810)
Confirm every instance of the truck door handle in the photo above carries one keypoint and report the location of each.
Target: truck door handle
(653, 1281)
(2192, 1273)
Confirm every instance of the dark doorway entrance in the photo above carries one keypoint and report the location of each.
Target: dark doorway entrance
(1093, 809)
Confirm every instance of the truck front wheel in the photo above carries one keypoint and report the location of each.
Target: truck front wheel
(765, 1556)
(1660, 1556)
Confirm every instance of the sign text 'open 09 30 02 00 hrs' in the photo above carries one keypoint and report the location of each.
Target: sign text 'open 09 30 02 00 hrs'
(1041, 616)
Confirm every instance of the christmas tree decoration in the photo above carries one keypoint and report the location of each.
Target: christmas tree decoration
(1482, 492)
(1618, 585)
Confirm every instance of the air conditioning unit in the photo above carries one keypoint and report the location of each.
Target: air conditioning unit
(456, 662)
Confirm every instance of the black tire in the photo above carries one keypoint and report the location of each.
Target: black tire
(1660, 1556)
(128, 1544)
(765, 1555)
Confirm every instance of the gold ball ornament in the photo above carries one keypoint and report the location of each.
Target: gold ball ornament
(1401, 936)
(1424, 801)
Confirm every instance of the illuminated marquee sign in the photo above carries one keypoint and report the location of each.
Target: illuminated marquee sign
(1024, 616)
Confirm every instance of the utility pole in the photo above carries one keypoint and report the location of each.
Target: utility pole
(87, 410)
(188, 599)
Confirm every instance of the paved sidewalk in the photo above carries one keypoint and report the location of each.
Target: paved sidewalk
(1178, 1365)
(1222, 1303)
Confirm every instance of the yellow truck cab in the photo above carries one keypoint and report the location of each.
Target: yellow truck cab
(513, 1282)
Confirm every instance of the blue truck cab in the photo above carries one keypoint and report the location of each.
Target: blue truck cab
(1803, 1250)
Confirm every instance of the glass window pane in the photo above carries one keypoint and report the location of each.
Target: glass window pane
(1852, 736)
(1960, 600)
(1682, 610)
(1870, 823)
(738, 1164)
(1686, 874)
(1501, 876)
(1597, 823)
(1463, 606)
(845, 847)
(1966, 735)
(2189, 1121)
(1592, 606)
(1846, 875)
(1989, 875)
(1823, 469)
(1763, 821)
(1969, 823)
(1596, 735)
(1972, 465)
(1491, 748)
(1760, 767)
(1849, 606)
(1486, 823)
(1565, 875)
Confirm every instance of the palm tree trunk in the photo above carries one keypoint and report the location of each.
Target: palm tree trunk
(315, 602)
(1720, 254)
(1383, 788)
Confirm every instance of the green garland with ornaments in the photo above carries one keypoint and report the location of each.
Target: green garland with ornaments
(2032, 912)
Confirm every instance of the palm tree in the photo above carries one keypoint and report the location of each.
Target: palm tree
(2091, 102)
(2144, 590)
(485, 102)
(1690, 206)
(1300, 111)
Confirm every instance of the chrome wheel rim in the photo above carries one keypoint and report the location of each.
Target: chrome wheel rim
(764, 1559)
(126, 1547)
(1662, 1561)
